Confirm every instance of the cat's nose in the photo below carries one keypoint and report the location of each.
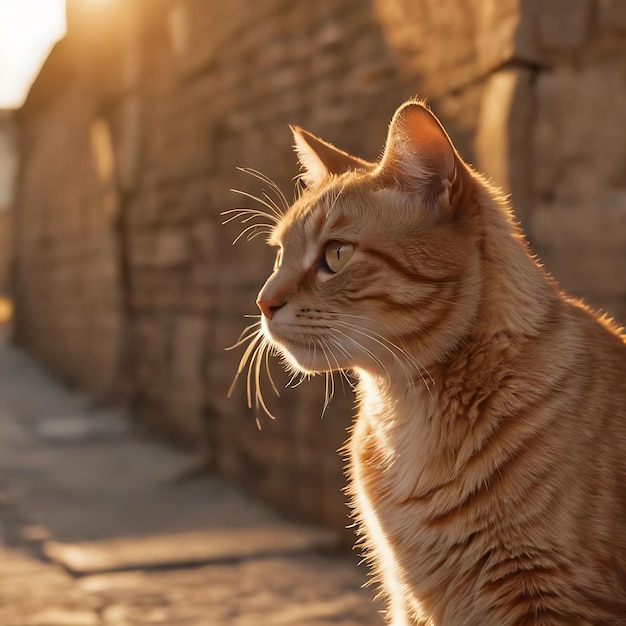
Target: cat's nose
(276, 292)
(269, 307)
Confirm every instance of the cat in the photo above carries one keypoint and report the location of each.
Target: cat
(487, 461)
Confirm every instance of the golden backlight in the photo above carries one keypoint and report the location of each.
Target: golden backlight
(6, 310)
(28, 30)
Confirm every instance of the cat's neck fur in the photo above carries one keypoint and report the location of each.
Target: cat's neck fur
(412, 420)
(515, 292)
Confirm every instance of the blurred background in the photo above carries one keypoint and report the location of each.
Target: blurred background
(123, 124)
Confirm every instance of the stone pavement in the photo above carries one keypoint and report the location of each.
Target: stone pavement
(92, 533)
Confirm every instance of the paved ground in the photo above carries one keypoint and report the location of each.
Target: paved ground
(91, 534)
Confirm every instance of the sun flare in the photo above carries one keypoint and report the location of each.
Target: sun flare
(28, 30)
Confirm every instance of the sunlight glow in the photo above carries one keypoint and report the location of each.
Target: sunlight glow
(6, 310)
(28, 30)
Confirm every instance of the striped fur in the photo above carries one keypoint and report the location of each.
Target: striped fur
(487, 462)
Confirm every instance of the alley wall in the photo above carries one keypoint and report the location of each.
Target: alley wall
(127, 283)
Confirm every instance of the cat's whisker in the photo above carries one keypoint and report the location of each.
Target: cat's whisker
(269, 373)
(303, 376)
(329, 343)
(271, 200)
(248, 352)
(252, 357)
(256, 417)
(257, 372)
(348, 356)
(329, 391)
(250, 371)
(367, 351)
(295, 374)
(412, 361)
(242, 341)
(245, 220)
(266, 179)
(243, 337)
(390, 347)
(249, 379)
(330, 353)
(256, 230)
(247, 214)
(276, 216)
(255, 338)
(410, 358)
(365, 318)
(256, 233)
(236, 213)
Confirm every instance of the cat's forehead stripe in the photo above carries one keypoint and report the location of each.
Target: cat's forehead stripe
(325, 215)
(314, 221)
(307, 222)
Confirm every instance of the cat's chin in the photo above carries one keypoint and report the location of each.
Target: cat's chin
(302, 355)
(299, 360)
(302, 359)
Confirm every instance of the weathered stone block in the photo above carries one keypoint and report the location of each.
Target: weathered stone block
(564, 25)
(578, 149)
(612, 15)
(503, 137)
(6, 250)
(584, 247)
(171, 248)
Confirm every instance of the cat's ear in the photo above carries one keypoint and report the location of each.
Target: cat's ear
(320, 160)
(418, 154)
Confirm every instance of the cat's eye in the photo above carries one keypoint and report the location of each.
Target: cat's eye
(337, 254)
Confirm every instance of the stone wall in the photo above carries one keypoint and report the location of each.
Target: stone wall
(126, 275)
(579, 153)
(6, 230)
(68, 288)
(8, 172)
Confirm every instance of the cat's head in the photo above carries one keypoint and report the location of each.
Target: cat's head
(377, 263)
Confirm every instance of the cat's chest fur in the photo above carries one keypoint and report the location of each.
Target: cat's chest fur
(390, 449)
(402, 482)
(393, 437)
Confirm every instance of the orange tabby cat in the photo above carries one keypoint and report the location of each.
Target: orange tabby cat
(488, 457)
